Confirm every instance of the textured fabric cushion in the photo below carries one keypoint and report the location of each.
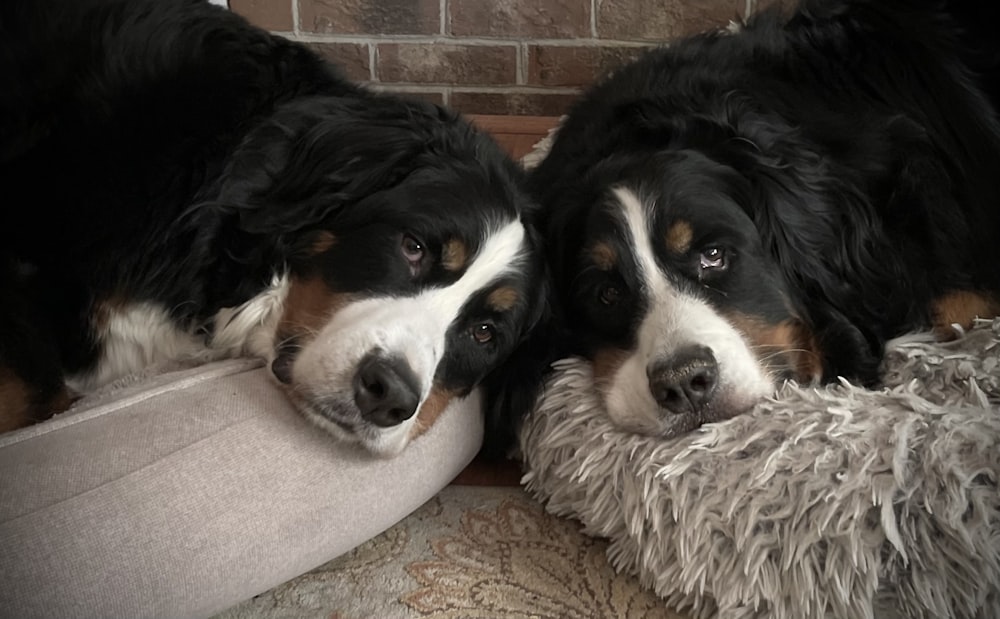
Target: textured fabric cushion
(185, 493)
(821, 503)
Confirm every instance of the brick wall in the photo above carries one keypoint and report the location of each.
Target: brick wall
(487, 56)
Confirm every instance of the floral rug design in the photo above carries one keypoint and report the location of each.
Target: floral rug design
(470, 553)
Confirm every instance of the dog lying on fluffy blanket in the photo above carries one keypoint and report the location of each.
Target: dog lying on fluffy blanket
(822, 502)
(734, 210)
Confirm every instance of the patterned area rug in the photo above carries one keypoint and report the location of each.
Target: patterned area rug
(471, 552)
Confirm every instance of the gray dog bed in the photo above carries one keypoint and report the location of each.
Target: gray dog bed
(834, 502)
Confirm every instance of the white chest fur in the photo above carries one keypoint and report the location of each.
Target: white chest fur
(142, 337)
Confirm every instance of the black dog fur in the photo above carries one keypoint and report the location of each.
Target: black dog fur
(167, 152)
(860, 137)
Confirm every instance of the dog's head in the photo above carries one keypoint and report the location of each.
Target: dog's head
(670, 292)
(411, 276)
(701, 258)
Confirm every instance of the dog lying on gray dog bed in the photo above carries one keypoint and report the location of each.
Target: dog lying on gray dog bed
(822, 502)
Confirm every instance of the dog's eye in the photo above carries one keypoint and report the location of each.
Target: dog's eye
(609, 295)
(482, 333)
(413, 250)
(713, 258)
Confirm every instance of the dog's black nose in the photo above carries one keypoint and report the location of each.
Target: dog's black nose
(685, 382)
(386, 390)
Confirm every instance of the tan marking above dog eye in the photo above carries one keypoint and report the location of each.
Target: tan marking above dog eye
(454, 255)
(324, 241)
(961, 307)
(604, 256)
(679, 236)
(502, 299)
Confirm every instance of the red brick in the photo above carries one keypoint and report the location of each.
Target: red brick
(575, 66)
(269, 14)
(446, 64)
(662, 20)
(513, 103)
(520, 18)
(352, 58)
(370, 16)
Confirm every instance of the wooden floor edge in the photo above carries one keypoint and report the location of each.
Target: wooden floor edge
(513, 124)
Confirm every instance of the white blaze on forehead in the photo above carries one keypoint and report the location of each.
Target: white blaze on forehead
(635, 218)
(437, 308)
(662, 329)
(499, 254)
(674, 319)
(414, 328)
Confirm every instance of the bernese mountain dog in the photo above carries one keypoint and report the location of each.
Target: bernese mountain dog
(179, 186)
(741, 208)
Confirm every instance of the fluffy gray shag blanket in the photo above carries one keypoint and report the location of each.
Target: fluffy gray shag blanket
(835, 502)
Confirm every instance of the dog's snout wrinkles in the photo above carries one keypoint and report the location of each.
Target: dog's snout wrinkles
(386, 390)
(685, 382)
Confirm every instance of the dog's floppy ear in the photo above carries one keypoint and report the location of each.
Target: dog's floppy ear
(303, 165)
(512, 389)
(315, 157)
(846, 350)
(823, 231)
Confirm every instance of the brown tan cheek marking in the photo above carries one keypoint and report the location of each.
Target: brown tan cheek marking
(324, 241)
(453, 255)
(605, 363)
(309, 305)
(802, 347)
(502, 299)
(961, 307)
(20, 407)
(604, 256)
(679, 236)
(789, 338)
(437, 400)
